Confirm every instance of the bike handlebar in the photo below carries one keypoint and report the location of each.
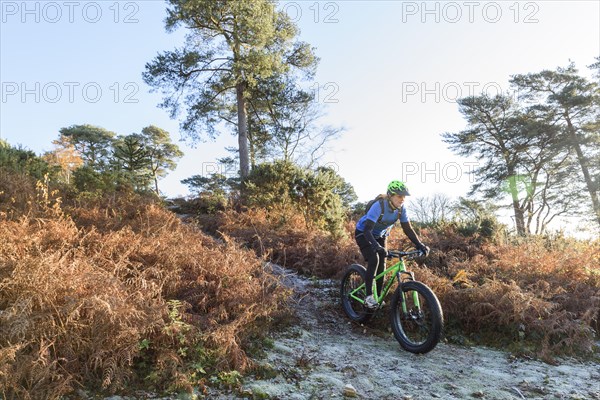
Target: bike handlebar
(403, 254)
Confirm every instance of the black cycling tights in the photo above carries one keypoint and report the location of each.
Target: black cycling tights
(375, 263)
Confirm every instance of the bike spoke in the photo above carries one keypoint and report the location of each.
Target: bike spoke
(356, 295)
(415, 318)
(353, 295)
(416, 324)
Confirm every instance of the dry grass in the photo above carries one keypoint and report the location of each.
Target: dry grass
(114, 291)
(285, 240)
(535, 295)
(17, 194)
(108, 296)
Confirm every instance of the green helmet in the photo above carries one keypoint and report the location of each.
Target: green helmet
(397, 187)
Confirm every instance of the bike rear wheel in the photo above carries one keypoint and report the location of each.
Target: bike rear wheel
(355, 309)
(416, 317)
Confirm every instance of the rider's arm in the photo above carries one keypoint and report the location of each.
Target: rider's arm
(408, 229)
(372, 215)
(412, 235)
(368, 232)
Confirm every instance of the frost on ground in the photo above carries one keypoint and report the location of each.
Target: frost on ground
(325, 356)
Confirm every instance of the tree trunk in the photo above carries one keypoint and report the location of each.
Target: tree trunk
(519, 218)
(519, 214)
(584, 169)
(243, 131)
(156, 185)
(252, 153)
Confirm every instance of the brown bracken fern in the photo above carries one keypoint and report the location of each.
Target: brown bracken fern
(86, 297)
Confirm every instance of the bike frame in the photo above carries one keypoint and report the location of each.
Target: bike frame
(398, 269)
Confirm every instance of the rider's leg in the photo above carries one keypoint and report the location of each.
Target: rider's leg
(380, 265)
(371, 257)
(373, 262)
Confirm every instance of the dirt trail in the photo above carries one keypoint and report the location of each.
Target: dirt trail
(325, 356)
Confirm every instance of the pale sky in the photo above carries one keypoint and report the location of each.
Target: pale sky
(390, 72)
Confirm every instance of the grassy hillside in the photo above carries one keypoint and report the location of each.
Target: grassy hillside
(118, 292)
(536, 295)
(109, 292)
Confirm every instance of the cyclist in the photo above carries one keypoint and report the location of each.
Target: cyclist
(373, 229)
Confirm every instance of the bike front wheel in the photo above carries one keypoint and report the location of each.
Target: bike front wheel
(352, 297)
(416, 317)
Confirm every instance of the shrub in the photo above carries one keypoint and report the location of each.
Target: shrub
(16, 193)
(538, 294)
(284, 239)
(23, 162)
(115, 295)
(321, 196)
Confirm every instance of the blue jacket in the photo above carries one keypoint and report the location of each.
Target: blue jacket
(383, 227)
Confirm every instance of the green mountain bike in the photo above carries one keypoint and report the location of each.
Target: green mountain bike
(416, 315)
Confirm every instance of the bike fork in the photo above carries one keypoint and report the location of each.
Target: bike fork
(415, 295)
